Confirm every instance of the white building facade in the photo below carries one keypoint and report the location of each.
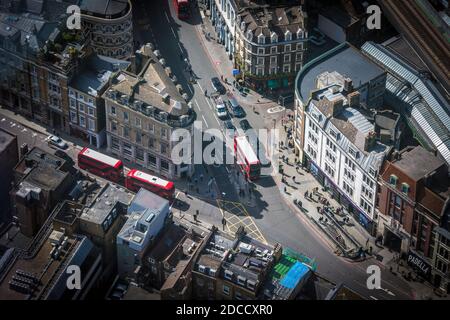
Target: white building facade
(342, 153)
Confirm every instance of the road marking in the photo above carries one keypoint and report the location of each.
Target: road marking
(205, 121)
(174, 34)
(372, 297)
(198, 107)
(179, 46)
(192, 92)
(167, 16)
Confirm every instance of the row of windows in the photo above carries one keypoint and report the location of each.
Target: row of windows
(274, 59)
(349, 175)
(393, 180)
(331, 145)
(349, 163)
(259, 71)
(81, 121)
(348, 189)
(367, 207)
(312, 137)
(330, 156)
(312, 152)
(329, 170)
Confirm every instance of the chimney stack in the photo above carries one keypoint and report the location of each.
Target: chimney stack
(353, 99)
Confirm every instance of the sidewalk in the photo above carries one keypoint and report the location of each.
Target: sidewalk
(348, 236)
(224, 66)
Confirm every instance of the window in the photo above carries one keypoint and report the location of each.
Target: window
(299, 56)
(91, 124)
(73, 104)
(91, 111)
(137, 121)
(163, 148)
(125, 116)
(138, 137)
(286, 68)
(273, 50)
(273, 38)
(140, 154)
(164, 165)
(353, 152)
(393, 180)
(405, 188)
(226, 290)
(261, 51)
(126, 132)
(151, 127)
(82, 121)
(287, 48)
(73, 117)
(288, 36)
(261, 39)
(287, 58)
(81, 107)
(273, 60)
(113, 126)
(259, 71)
(260, 61)
(113, 110)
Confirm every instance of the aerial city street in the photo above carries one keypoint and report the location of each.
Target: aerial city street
(224, 150)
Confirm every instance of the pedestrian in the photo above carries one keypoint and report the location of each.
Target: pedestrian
(221, 77)
(201, 177)
(195, 181)
(206, 93)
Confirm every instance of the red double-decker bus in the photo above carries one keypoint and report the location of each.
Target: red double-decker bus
(181, 8)
(137, 179)
(246, 158)
(100, 164)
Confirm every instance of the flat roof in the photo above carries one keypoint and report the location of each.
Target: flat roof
(418, 162)
(6, 139)
(105, 201)
(104, 7)
(145, 199)
(344, 59)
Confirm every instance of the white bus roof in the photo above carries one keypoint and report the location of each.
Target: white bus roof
(100, 157)
(247, 149)
(149, 178)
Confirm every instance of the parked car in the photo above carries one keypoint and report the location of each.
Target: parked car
(217, 85)
(235, 109)
(57, 142)
(245, 125)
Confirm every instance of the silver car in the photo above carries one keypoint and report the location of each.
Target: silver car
(57, 142)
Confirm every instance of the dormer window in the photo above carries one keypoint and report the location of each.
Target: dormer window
(261, 39)
(405, 188)
(242, 25)
(299, 34)
(288, 36)
(274, 37)
(393, 180)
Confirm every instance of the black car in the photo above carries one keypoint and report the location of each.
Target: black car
(229, 124)
(236, 109)
(217, 85)
(245, 125)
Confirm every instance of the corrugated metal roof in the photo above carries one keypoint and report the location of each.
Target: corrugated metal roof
(429, 109)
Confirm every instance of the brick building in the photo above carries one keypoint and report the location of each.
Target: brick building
(414, 188)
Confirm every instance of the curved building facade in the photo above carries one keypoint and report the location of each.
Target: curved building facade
(108, 26)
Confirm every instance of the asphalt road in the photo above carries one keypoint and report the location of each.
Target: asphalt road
(176, 40)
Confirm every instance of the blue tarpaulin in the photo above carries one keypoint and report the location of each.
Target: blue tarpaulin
(236, 72)
(294, 275)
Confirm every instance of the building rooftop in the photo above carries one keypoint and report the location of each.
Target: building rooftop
(43, 177)
(105, 201)
(344, 59)
(96, 73)
(423, 103)
(214, 252)
(147, 200)
(248, 263)
(105, 8)
(6, 139)
(19, 279)
(37, 157)
(283, 281)
(265, 20)
(418, 163)
(338, 16)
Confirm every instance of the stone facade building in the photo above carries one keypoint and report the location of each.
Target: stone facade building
(142, 111)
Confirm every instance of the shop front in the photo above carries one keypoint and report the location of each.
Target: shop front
(419, 264)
